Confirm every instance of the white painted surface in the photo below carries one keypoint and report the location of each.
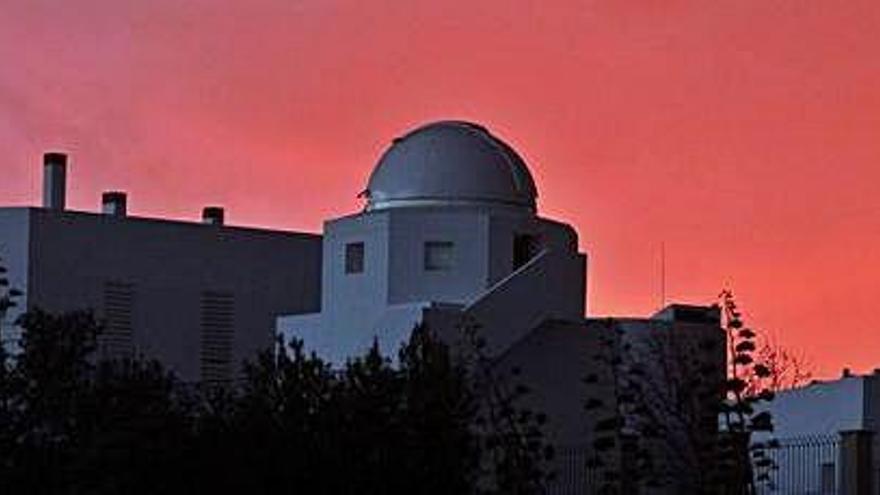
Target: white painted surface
(456, 184)
(820, 409)
(450, 163)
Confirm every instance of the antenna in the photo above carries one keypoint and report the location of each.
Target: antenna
(662, 274)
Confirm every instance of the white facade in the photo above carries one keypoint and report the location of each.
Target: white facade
(450, 221)
(450, 235)
(836, 413)
(831, 407)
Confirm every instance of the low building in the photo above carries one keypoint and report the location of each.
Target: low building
(828, 435)
(200, 297)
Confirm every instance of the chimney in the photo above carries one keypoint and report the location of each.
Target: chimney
(114, 203)
(847, 373)
(212, 215)
(54, 180)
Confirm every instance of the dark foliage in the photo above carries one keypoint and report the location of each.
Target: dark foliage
(668, 415)
(513, 446)
(744, 463)
(71, 424)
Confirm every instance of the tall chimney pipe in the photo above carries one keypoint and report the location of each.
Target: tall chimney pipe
(114, 203)
(54, 180)
(212, 215)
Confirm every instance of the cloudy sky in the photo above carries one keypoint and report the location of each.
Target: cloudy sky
(744, 135)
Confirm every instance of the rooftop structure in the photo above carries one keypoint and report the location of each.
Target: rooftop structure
(199, 296)
(450, 220)
(829, 436)
(450, 163)
(451, 237)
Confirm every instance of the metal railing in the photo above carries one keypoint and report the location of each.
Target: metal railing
(807, 465)
(804, 466)
(572, 476)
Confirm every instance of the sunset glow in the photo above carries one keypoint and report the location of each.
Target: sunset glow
(742, 136)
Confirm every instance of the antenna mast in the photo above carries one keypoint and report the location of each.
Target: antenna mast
(662, 274)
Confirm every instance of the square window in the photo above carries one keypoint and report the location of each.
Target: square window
(525, 247)
(354, 257)
(438, 256)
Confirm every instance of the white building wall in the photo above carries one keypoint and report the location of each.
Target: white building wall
(352, 304)
(503, 226)
(824, 410)
(567, 270)
(384, 301)
(820, 408)
(355, 298)
(534, 293)
(408, 233)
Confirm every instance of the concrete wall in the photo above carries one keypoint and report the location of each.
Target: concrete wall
(169, 267)
(410, 229)
(552, 235)
(355, 297)
(553, 361)
(350, 302)
(380, 302)
(336, 344)
(844, 409)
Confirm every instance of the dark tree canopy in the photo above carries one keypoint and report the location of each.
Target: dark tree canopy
(669, 415)
(74, 424)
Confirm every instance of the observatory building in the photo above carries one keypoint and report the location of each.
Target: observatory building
(450, 227)
(450, 237)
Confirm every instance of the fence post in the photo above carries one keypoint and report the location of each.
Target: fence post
(856, 462)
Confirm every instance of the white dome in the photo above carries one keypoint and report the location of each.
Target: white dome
(450, 163)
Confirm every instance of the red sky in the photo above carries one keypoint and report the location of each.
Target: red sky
(745, 135)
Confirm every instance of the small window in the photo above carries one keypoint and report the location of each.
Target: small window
(525, 247)
(354, 257)
(438, 256)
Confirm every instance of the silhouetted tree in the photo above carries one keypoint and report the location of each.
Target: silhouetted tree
(515, 450)
(132, 427)
(76, 426)
(657, 400)
(441, 407)
(52, 395)
(654, 400)
(746, 464)
(73, 424)
(787, 368)
(9, 384)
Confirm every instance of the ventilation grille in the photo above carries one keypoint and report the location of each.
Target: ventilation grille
(116, 340)
(217, 327)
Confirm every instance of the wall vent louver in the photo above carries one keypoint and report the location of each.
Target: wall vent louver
(217, 330)
(116, 341)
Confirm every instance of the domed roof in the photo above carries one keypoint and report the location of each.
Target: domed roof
(450, 163)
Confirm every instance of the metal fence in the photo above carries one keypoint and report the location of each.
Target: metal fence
(572, 476)
(804, 466)
(800, 466)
